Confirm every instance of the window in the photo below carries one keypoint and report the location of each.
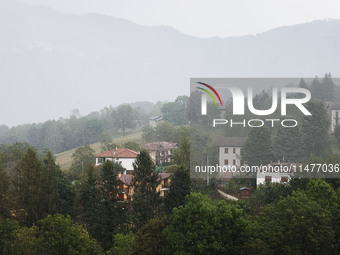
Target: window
(234, 150)
(226, 150)
(121, 196)
(268, 179)
(234, 162)
(226, 162)
(284, 178)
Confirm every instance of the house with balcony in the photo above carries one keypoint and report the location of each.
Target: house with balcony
(164, 187)
(230, 154)
(161, 152)
(126, 188)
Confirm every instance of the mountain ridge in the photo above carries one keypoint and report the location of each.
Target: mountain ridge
(52, 62)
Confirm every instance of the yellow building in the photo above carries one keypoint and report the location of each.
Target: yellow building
(126, 188)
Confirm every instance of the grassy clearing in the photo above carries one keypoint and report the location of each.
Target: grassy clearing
(64, 159)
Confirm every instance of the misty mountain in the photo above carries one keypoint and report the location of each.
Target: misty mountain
(51, 62)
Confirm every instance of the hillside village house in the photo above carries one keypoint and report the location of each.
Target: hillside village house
(125, 156)
(273, 176)
(161, 152)
(230, 153)
(126, 188)
(334, 109)
(154, 121)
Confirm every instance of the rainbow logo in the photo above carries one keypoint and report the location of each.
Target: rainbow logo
(209, 93)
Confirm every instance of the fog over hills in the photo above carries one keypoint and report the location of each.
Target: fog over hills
(52, 62)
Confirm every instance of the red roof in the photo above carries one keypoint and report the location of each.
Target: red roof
(118, 153)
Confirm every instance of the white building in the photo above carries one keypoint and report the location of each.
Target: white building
(230, 153)
(274, 173)
(125, 156)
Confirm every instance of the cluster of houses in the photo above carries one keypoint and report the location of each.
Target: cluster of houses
(230, 155)
(160, 152)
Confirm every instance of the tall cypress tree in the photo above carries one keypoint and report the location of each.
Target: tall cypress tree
(145, 199)
(50, 178)
(28, 189)
(314, 129)
(303, 84)
(257, 149)
(4, 193)
(328, 87)
(112, 213)
(287, 144)
(179, 189)
(90, 200)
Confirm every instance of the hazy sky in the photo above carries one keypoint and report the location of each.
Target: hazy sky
(205, 18)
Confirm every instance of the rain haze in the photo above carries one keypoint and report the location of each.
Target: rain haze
(204, 18)
(92, 54)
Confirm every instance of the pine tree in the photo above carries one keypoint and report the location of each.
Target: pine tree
(28, 189)
(66, 194)
(50, 177)
(328, 87)
(112, 213)
(5, 200)
(315, 89)
(314, 129)
(257, 149)
(179, 189)
(182, 153)
(287, 144)
(145, 199)
(323, 90)
(303, 84)
(90, 200)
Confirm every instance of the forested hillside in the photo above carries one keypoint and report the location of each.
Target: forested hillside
(65, 134)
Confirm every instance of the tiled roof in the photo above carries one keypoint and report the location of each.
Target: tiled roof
(118, 153)
(127, 178)
(160, 146)
(231, 141)
(164, 175)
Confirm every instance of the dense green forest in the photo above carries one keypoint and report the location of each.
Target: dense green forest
(43, 212)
